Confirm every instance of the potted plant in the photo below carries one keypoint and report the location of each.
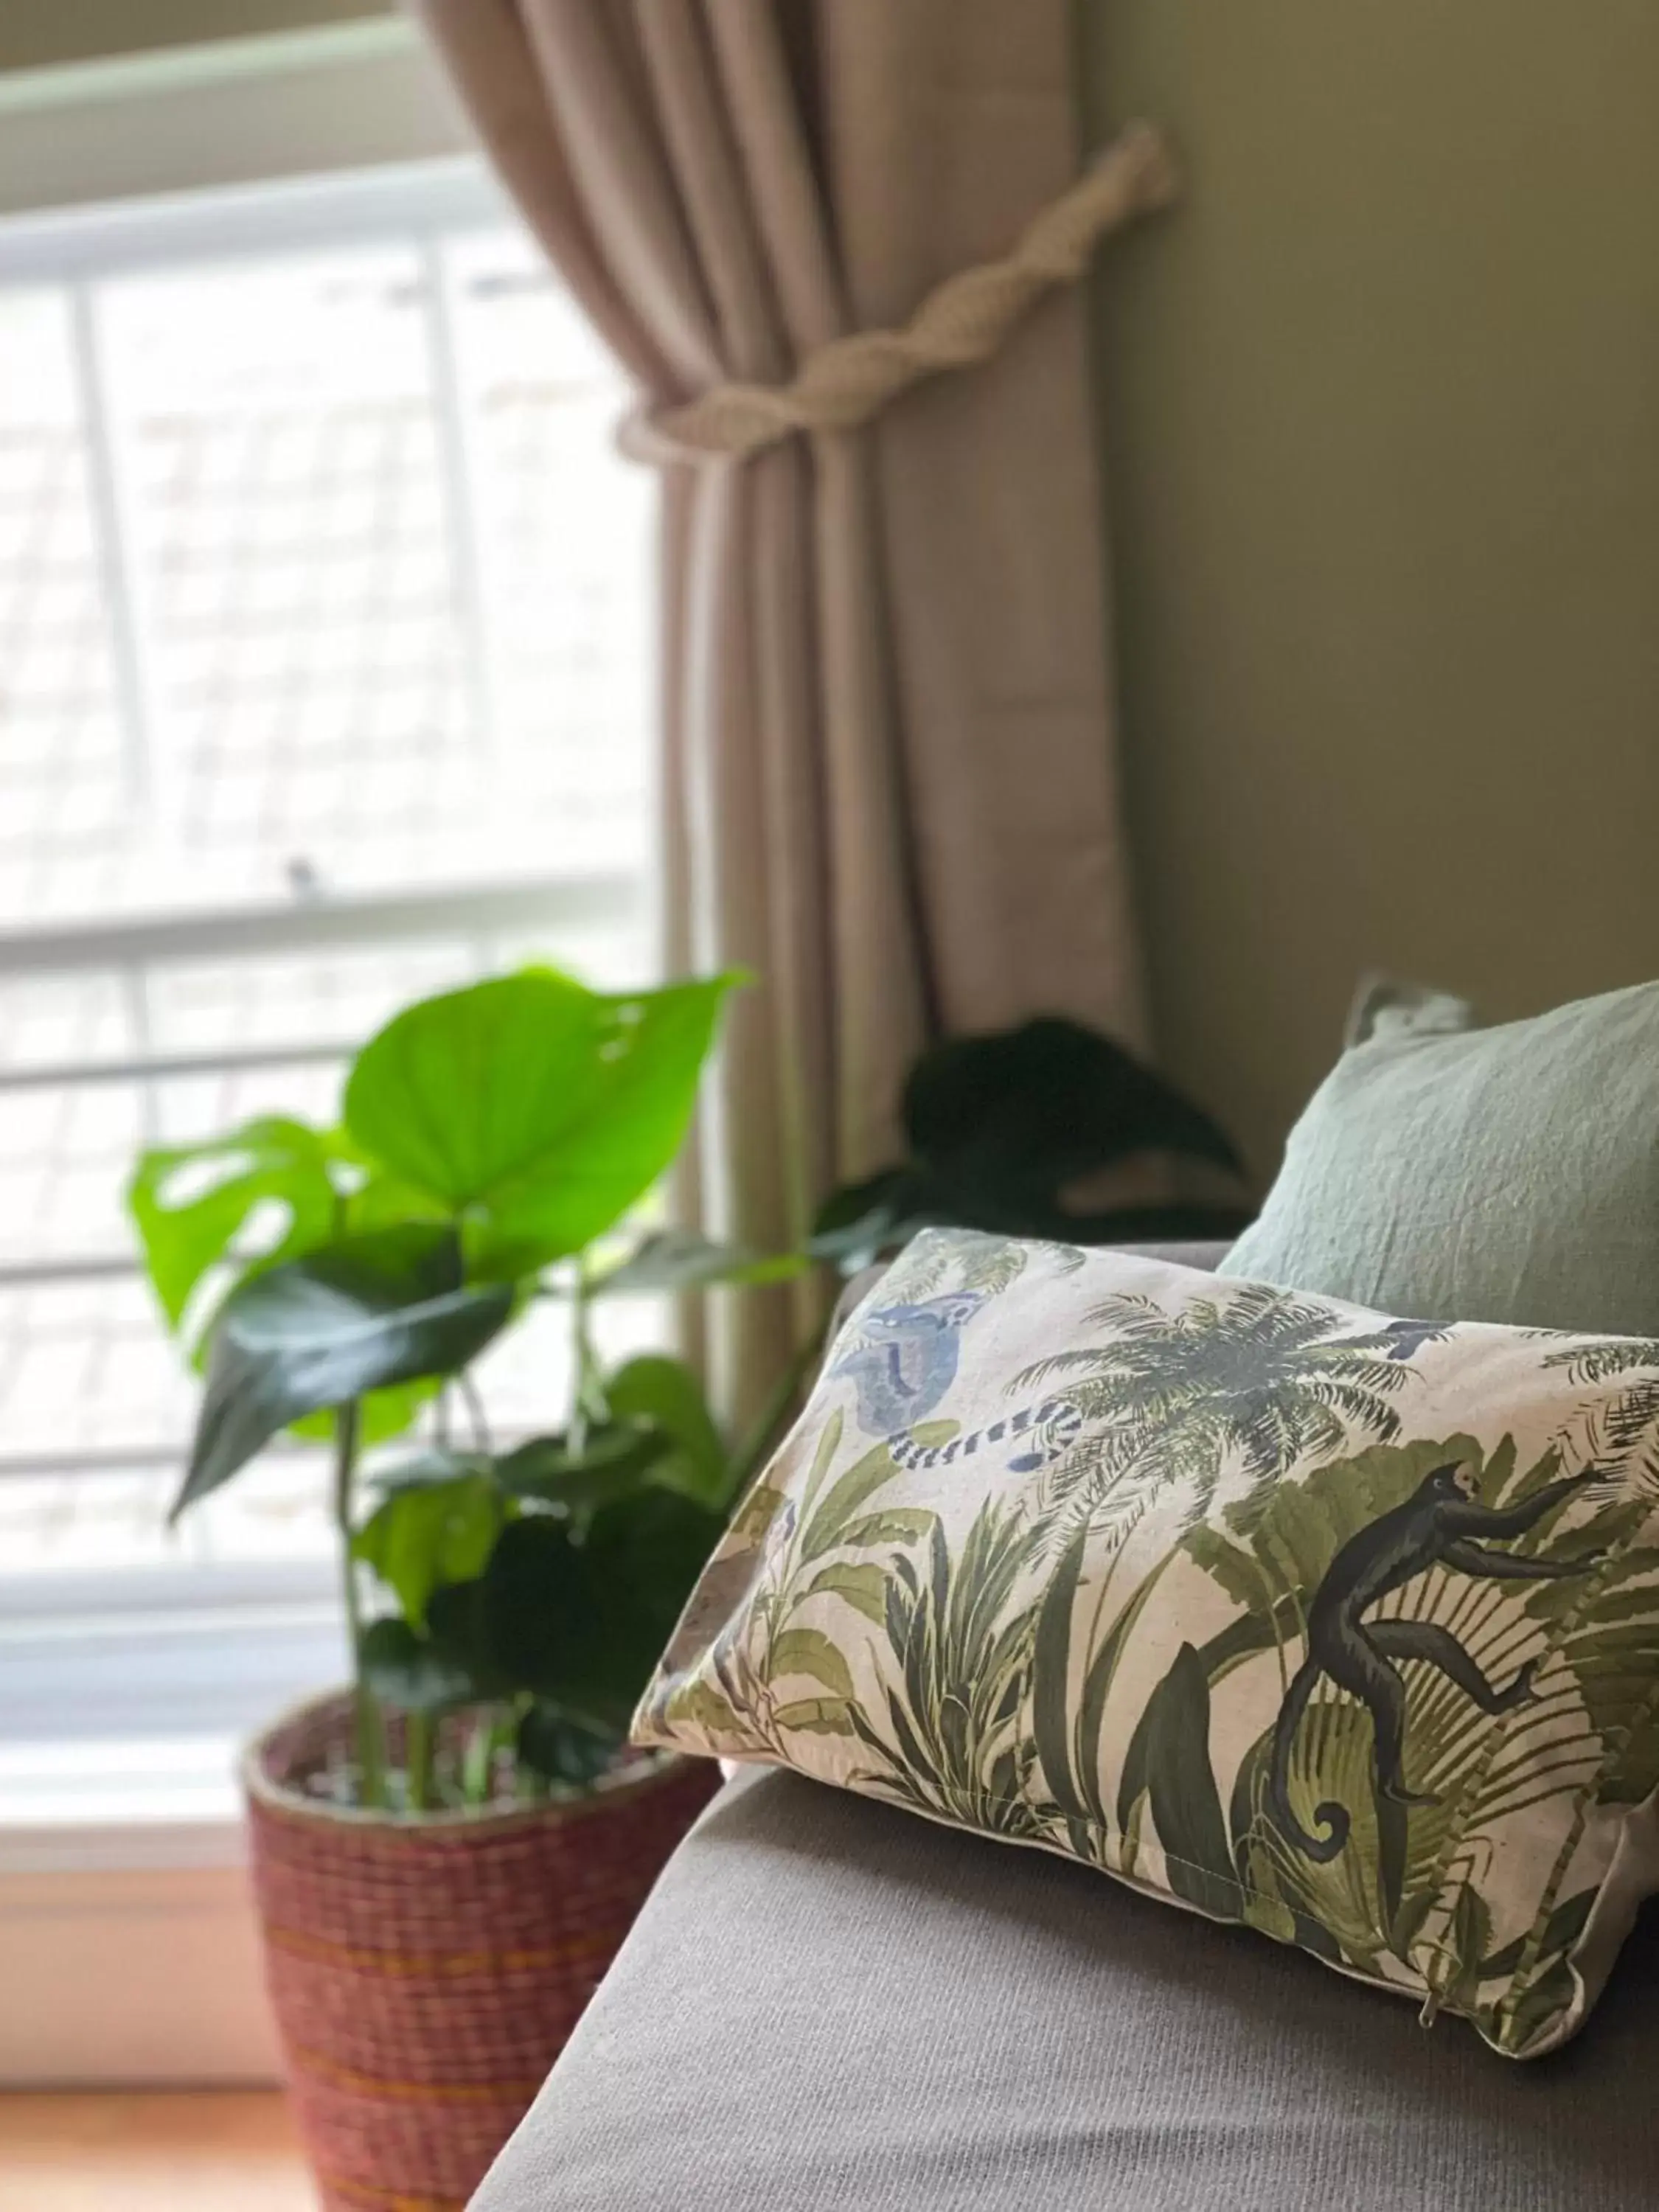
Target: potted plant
(1039, 1131)
(446, 1854)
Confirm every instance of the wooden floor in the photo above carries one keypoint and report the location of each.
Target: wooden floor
(210, 2151)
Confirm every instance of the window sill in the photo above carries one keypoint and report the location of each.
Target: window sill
(127, 1933)
(148, 1977)
(128, 1937)
(137, 1804)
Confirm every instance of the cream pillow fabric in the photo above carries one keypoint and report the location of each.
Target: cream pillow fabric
(1344, 1626)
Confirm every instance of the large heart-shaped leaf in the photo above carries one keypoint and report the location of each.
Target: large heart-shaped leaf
(322, 1330)
(189, 1203)
(539, 1107)
(460, 1093)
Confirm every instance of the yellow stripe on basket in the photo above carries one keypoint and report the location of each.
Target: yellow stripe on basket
(388, 2200)
(441, 1964)
(321, 2068)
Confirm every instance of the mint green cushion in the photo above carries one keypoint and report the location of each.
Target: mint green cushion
(1460, 1174)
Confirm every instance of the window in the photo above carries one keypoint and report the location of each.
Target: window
(325, 649)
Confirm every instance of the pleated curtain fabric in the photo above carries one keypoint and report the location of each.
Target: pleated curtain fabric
(887, 766)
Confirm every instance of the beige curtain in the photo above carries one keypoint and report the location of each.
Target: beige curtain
(889, 782)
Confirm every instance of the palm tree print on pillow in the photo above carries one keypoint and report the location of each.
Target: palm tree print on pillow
(1123, 1652)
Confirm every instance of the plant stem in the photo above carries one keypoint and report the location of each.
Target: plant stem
(475, 1411)
(584, 1364)
(371, 1759)
(475, 1763)
(417, 1757)
(492, 1734)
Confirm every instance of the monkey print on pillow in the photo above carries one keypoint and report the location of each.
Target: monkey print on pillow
(1341, 1625)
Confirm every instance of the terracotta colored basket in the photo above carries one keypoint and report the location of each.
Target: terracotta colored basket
(426, 1971)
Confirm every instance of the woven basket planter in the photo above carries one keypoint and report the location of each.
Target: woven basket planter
(425, 1971)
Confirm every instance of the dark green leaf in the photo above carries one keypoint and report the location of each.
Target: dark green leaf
(192, 1202)
(1409, 1916)
(856, 1225)
(664, 1395)
(430, 1528)
(581, 1618)
(1180, 1786)
(1051, 1100)
(612, 1458)
(321, 1331)
(409, 1672)
(1393, 1842)
(561, 1749)
(682, 1260)
(1006, 1130)
(1561, 1931)
(542, 1108)
(1051, 1661)
(1470, 1935)
(459, 1627)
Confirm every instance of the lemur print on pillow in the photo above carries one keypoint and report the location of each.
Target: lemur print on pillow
(1341, 1625)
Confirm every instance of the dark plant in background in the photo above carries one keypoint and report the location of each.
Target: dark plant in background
(343, 1280)
(1006, 1131)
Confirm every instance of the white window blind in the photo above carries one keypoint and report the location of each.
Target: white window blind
(326, 634)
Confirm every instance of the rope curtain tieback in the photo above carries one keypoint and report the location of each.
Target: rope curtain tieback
(962, 321)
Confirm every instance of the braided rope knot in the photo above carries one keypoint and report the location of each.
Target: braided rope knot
(964, 320)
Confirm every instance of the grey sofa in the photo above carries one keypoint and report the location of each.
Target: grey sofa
(829, 2005)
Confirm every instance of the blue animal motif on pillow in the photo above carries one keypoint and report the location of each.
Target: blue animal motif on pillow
(905, 1360)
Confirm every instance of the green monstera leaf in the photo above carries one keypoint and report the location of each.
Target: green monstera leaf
(320, 1331)
(535, 1107)
(190, 1203)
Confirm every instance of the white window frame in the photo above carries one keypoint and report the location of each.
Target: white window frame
(347, 134)
(432, 201)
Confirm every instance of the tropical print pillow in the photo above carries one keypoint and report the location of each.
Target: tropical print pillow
(1342, 1626)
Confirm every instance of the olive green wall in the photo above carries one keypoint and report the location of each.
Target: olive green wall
(39, 34)
(1382, 418)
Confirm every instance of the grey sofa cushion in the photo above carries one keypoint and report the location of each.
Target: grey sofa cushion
(830, 2005)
